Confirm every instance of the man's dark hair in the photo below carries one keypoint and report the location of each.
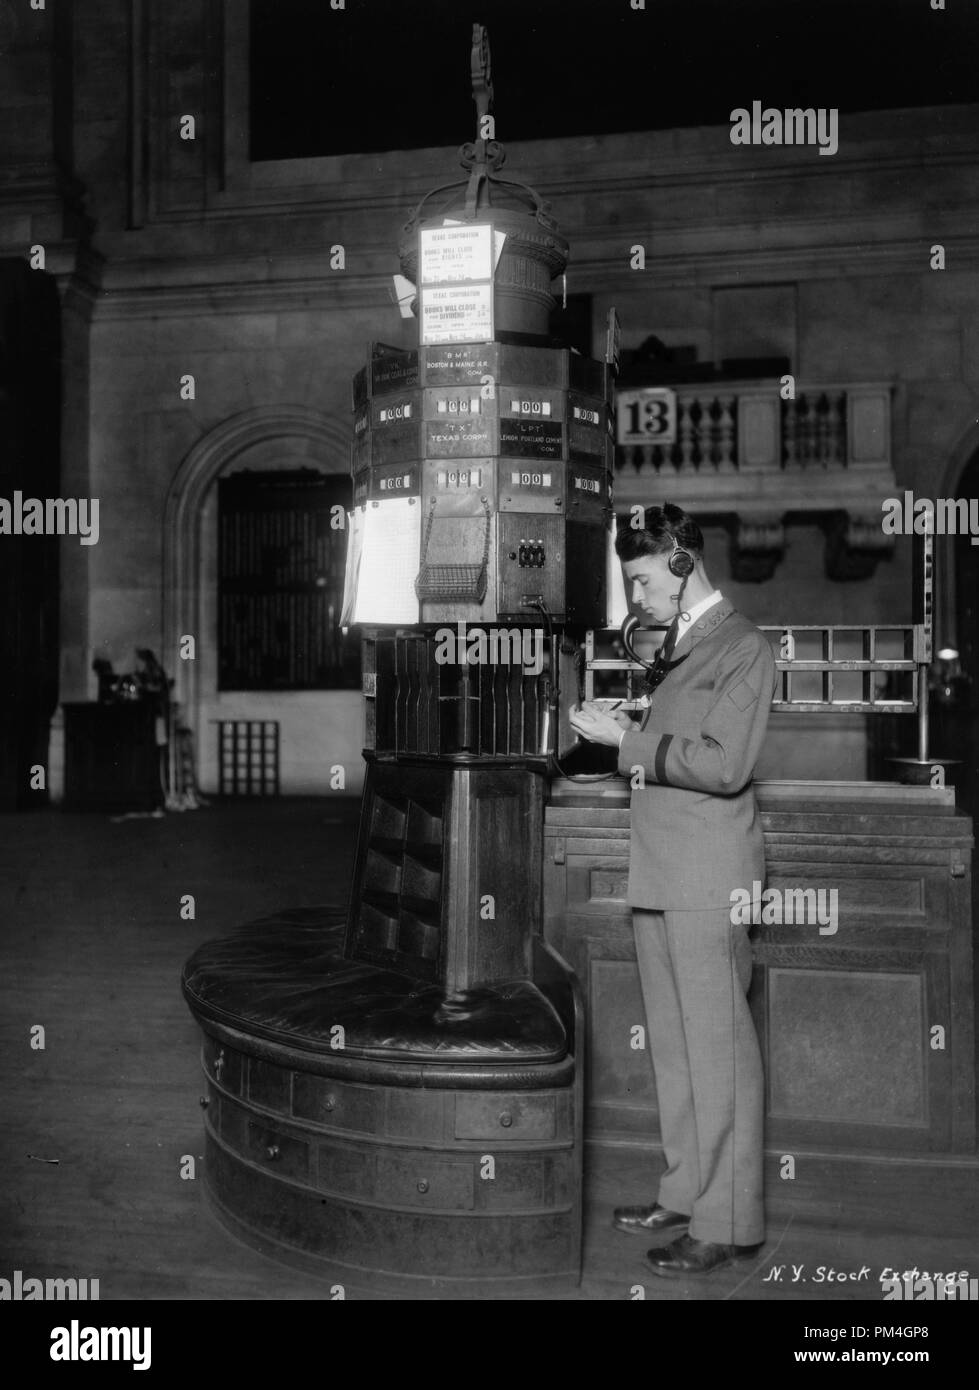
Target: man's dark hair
(661, 526)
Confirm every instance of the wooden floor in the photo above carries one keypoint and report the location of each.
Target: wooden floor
(96, 1126)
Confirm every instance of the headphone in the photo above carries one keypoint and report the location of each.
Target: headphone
(681, 565)
(681, 562)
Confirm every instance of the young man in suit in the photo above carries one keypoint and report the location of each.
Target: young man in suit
(695, 837)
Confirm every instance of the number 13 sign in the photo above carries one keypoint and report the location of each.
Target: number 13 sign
(647, 416)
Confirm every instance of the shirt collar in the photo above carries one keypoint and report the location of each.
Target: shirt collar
(694, 614)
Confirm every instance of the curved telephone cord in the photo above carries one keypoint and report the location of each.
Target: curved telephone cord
(551, 714)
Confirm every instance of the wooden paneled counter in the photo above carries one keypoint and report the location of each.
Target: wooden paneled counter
(867, 1031)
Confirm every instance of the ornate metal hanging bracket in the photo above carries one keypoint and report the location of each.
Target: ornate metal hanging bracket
(482, 156)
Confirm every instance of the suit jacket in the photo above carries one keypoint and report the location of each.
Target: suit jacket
(695, 830)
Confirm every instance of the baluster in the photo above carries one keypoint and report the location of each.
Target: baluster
(725, 434)
(789, 445)
(698, 426)
(819, 428)
(804, 431)
(838, 430)
(685, 431)
(711, 433)
(708, 450)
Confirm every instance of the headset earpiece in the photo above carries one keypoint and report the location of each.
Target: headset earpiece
(681, 562)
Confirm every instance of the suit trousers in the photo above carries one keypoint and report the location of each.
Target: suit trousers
(695, 969)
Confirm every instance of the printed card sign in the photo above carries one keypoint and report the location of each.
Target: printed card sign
(455, 276)
(448, 254)
(456, 313)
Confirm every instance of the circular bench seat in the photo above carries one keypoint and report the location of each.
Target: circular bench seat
(360, 1123)
(284, 979)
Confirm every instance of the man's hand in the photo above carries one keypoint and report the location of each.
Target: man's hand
(593, 724)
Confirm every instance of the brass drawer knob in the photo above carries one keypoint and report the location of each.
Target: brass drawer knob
(506, 1119)
(273, 1151)
(423, 1185)
(205, 1102)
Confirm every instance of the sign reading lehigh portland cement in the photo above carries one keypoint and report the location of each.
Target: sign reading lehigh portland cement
(455, 271)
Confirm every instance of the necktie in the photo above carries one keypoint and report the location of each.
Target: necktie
(662, 666)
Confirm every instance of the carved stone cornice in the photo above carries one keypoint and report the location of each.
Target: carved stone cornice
(757, 545)
(855, 542)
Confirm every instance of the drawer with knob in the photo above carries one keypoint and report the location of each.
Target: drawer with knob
(267, 1147)
(322, 1100)
(426, 1179)
(512, 1116)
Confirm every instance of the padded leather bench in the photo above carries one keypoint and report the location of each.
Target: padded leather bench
(284, 979)
(435, 1143)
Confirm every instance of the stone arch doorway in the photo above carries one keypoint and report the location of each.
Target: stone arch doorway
(261, 438)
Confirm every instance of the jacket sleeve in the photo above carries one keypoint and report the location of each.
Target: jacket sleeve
(722, 759)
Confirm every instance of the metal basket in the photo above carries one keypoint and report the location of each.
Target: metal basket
(452, 583)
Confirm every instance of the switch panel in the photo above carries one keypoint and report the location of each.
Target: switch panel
(530, 554)
(530, 563)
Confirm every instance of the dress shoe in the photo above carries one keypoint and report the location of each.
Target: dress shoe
(687, 1256)
(645, 1221)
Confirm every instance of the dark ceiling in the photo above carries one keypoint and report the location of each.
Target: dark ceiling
(394, 74)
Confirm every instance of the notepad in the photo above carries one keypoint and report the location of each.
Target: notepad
(383, 575)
